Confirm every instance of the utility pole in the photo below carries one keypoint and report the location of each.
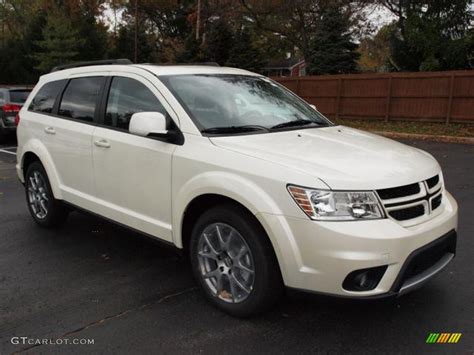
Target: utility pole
(136, 32)
(198, 19)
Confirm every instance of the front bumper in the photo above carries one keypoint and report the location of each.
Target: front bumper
(318, 256)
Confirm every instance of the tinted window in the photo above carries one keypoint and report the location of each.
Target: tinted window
(2, 97)
(46, 96)
(19, 96)
(80, 97)
(126, 97)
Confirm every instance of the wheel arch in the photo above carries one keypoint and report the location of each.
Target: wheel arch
(35, 151)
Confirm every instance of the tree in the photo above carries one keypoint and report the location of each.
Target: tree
(60, 43)
(192, 52)
(218, 42)
(244, 54)
(333, 51)
(295, 21)
(94, 33)
(432, 35)
(124, 46)
(375, 53)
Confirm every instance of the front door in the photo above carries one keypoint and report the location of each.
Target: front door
(133, 173)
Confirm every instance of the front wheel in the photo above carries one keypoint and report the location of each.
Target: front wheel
(234, 263)
(44, 208)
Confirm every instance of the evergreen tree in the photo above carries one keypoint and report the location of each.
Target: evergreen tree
(218, 42)
(192, 52)
(124, 46)
(332, 49)
(94, 46)
(244, 54)
(60, 43)
(432, 35)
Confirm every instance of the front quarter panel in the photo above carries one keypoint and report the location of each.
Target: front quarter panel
(199, 168)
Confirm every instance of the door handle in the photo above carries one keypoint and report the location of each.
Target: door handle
(50, 130)
(102, 143)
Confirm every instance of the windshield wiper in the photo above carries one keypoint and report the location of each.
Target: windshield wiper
(234, 129)
(294, 123)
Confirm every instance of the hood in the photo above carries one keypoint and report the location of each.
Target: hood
(342, 157)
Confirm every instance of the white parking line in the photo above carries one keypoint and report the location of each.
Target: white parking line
(6, 151)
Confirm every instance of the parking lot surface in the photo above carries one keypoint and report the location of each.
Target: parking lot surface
(93, 280)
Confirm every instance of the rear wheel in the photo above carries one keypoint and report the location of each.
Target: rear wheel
(43, 207)
(234, 263)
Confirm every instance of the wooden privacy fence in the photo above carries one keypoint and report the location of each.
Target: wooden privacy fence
(435, 96)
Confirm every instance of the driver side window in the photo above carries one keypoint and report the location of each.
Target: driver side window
(126, 97)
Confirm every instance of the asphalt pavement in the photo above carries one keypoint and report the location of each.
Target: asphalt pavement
(92, 281)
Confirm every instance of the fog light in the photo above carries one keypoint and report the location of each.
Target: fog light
(364, 279)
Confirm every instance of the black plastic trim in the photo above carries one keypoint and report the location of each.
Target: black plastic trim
(400, 278)
(150, 236)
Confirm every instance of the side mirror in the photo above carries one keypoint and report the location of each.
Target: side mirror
(148, 124)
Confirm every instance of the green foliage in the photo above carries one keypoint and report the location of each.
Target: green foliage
(124, 45)
(218, 42)
(192, 52)
(333, 51)
(16, 63)
(94, 35)
(244, 53)
(433, 35)
(60, 44)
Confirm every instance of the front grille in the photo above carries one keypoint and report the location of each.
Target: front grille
(432, 182)
(426, 257)
(436, 202)
(408, 213)
(407, 202)
(400, 191)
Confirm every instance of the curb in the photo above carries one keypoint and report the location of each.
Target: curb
(427, 137)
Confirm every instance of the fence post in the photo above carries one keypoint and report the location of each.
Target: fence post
(297, 86)
(450, 99)
(389, 99)
(338, 98)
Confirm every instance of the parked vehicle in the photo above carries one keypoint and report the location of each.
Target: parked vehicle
(260, 194)
(11, 101)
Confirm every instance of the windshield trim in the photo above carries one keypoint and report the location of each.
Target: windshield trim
(165, 81)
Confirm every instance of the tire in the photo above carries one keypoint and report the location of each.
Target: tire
(44, 208)
(226, 259)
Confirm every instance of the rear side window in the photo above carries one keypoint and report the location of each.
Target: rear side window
(46, 97)
(19, 96)
(2, 98)
(80, 98)
(126, 97)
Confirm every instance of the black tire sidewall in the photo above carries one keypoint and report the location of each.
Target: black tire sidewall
(267, 285)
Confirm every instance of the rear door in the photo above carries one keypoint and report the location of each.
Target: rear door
(133, 173)
(69, 131)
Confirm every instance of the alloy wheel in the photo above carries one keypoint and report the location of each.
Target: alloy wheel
(226, 263)
(37, 195)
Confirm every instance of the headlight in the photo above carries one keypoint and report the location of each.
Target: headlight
(332, 205)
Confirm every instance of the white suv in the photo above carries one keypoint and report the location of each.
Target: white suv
(258, 187)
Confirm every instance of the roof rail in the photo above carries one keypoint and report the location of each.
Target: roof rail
(94, 62)
(209, 64)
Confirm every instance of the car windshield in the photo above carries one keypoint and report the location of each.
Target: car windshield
(19, 96)
(227, 104)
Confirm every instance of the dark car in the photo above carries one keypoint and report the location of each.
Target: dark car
(11, 101)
